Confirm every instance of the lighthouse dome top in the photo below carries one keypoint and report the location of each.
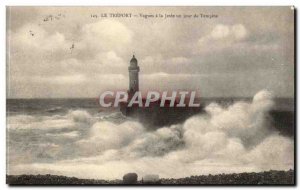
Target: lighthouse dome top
(133, 59)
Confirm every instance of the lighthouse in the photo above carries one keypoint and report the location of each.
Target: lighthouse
(155, 109)
(134, 70)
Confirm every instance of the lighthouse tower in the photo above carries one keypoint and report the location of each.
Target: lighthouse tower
(134, 70)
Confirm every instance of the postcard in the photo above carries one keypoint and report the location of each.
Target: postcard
(143, 95)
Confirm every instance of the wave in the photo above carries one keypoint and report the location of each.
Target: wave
(54, 109)
(235, 138)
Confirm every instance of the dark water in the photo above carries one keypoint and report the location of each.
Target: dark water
(50, 106)
(282, 115)
(43, 106)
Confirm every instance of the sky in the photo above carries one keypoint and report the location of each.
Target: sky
(236, 54)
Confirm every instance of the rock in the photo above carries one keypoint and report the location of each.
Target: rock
(260, 178)
(130, 178)
(151, 178)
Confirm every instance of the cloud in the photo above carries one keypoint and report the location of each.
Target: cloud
(246, 45)
(234, 40)
(67, 79)
(223, 36)
(43, 59)
(105, 35)
(180, 60)
(160, 64)
(239, 31)
(110, 58)
(35, 39)
(221, 31)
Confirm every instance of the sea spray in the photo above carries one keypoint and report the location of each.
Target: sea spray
(227, 139)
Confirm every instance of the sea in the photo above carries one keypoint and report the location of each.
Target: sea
(76, 137)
